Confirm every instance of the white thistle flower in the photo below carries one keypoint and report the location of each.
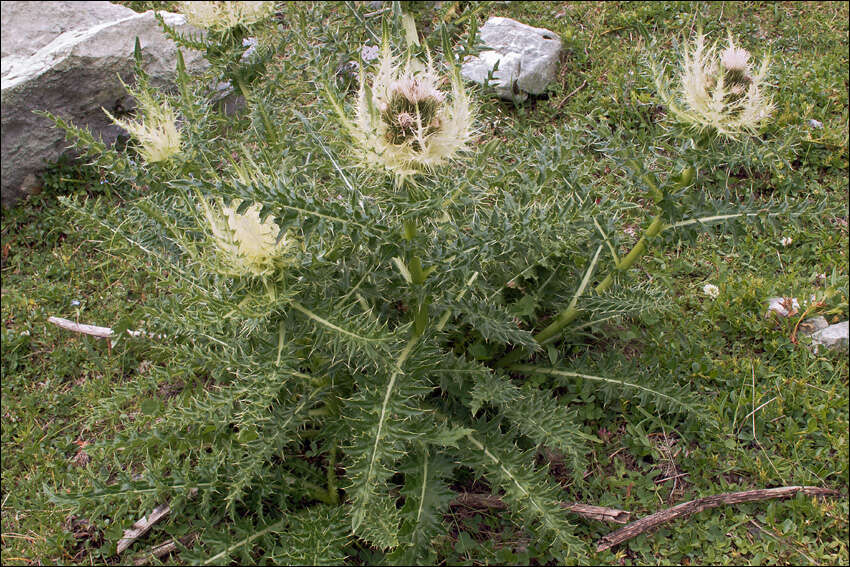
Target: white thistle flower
(735, 59)
(403, 122)
(156, 131)
(711, 290)
(220, 16)
(715, 91)
(246, 244)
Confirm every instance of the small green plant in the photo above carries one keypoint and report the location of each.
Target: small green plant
(349, 341)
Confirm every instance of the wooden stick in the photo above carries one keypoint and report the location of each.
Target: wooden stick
(158, 551)
(141, 527)
(102, 332)
(600, 513)
(560, 104)
(95, 331)
(162, 549)
(687, 508)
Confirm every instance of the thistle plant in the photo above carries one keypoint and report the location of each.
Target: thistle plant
(717, 90)
(347, 348)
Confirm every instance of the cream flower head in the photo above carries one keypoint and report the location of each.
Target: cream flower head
(221, 16)
(721, 91)
(156, 132)
(246, 244)
(403, 122)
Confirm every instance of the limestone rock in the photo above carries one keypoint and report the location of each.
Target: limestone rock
(527, 58)
(813, 325)
(782, 306)
(65, 58)
(834, 336)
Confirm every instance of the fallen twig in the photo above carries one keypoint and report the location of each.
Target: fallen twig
(141, 527)
(95, 331)
(560, 104)
(600, 513)
(162, 550)
(687, 508)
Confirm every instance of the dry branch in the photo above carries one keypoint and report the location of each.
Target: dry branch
(600, 513)
(158, 551)
(95, 331)
(687, 508)
(141, 527)
(162, 550)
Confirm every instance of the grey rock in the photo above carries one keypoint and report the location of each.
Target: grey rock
(813, 325)
(834, 336)
(65, 58)
(231, 99)
(815, 123)
(349, 72)
(782, 306)
(527, 58)
(251, 43)
(369, 53)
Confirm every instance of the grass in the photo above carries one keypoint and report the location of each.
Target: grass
(781, 410)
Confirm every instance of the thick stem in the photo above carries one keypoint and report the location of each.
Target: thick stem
(333, 494)
(635, 253)
(418, 276)
(569, 314)
(271, 133)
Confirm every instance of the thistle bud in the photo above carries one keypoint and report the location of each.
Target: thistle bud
(246, 244)
(220, 16)
(156, 131)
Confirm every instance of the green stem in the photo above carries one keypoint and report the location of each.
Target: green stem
(418, 277)
(333, 494)
(569, 314)
(635, 253)
(271, 133)
(316, 492)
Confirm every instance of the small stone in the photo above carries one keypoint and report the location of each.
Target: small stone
(527, 58)
(369, 53)
(833, 337)
(815, 123)
(30, 185)
(782, 306)
(251, 43)
(230, 99)
(813, 325)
